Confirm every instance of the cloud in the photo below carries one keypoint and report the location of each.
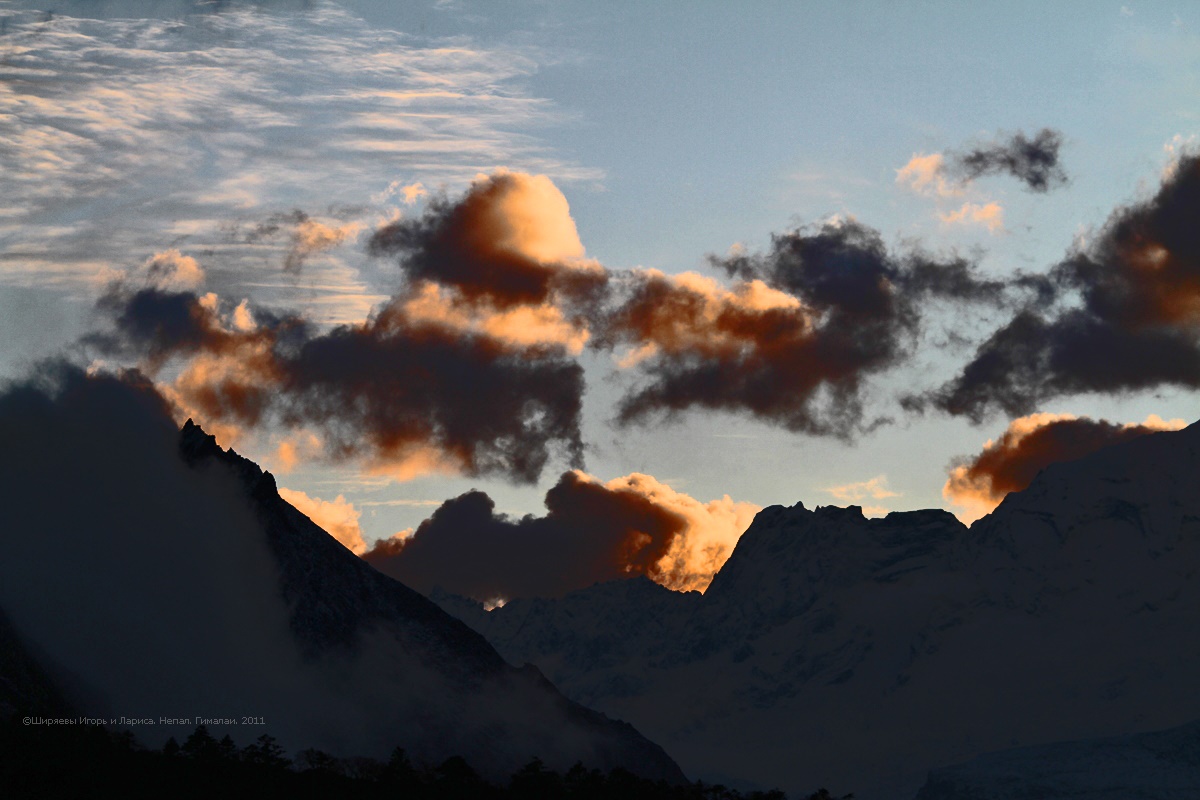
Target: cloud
(294, 448)
(171, 269)
(1120, 315)
(440, 378)
(875, 489)
(1029, 445)
(792, 341)
(1034, 162)
(402, 396)
(991, 215)
(305, 235)
(121, 134)
(338, 517)
(509, 240)
(591, 532)
(712, 530)
(522, 325)
(1176, 149)
(925, 174)
(411, 192)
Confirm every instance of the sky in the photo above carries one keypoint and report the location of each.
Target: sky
(712, 256)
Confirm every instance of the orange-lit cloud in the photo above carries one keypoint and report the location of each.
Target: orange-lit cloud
(925, 174)
(338, 517)
(522, 325)
(990, 214)
(592, 531)
(171, 269)
(875, 489)
(691, 313)
(1029, 445)
(704, 544)
(411, 192)
(296, 448)
(510, 240)
(402, 396)
(311, 236)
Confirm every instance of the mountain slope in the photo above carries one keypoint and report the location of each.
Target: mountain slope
(1161, 765)
(157, 577)
(340, 607)
(836, 650)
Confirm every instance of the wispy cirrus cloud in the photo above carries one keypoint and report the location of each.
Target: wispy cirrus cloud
(123, 137)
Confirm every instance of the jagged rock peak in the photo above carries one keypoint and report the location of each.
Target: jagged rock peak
(194, 442)
(196, 447)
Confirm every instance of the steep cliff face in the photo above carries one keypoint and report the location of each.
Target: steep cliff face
(836, 650)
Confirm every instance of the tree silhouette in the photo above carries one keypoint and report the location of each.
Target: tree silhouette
(201, 745)
(318, 761)
(226, 748)
(266, 752)
(536, 782)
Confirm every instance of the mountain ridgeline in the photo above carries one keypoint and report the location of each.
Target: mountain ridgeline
(837, 650)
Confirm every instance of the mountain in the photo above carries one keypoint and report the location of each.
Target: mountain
(149, 574)
(1161, 765)
(859, 654)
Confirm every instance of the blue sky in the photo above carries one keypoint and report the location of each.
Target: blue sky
(674, 131)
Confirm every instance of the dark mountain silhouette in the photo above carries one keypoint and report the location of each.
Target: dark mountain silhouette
(340, 605)
(838, 650)
(151, 575)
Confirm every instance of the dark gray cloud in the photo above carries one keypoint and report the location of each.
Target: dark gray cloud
(388, 390)
(843, 307)
(500, 242)
(1120, 315)
(590, 533)
(1034, 161)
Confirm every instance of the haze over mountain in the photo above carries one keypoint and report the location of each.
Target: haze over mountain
(838, 650)
(152, 575)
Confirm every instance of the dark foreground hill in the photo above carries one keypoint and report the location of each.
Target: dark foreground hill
(162, 582)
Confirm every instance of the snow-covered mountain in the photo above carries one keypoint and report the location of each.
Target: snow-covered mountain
(1160, 765)
(173, 582)
(859, 654)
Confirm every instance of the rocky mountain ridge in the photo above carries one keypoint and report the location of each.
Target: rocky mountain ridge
(837, 650)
